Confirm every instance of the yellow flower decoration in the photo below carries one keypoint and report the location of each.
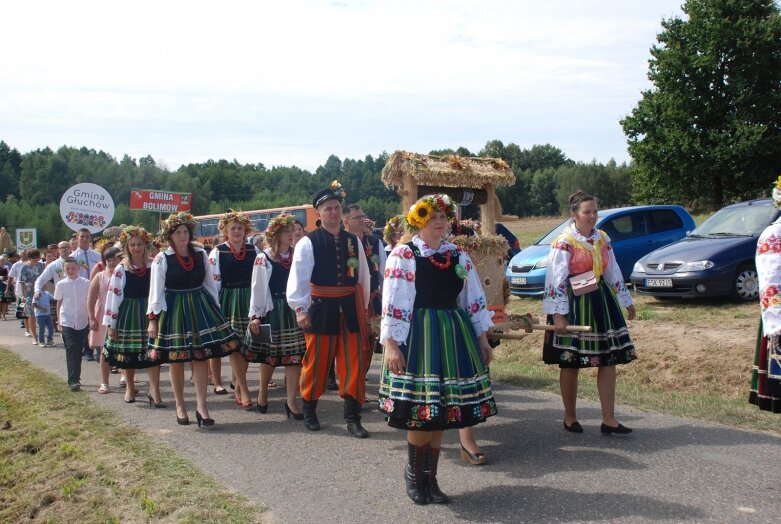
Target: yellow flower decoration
(419, 215)
(778, 182)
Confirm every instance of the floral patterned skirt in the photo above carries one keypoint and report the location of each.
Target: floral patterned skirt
(129, 350)
(445, 384)
(766, 374)
(287, 346)
(191, 328)
(607, 344)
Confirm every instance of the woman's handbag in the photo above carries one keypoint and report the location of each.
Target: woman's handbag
(583, 283)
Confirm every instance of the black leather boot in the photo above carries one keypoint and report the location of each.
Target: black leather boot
(414, 475)
(310, 415)
(436, 495)
(352, 413)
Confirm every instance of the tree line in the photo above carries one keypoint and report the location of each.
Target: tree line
(32, 183)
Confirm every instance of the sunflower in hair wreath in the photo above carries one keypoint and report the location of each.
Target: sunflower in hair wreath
(337, 188)
(420, 213)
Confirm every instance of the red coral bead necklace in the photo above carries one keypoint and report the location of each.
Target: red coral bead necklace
(441, 265)
(241, 254)
(187, 266)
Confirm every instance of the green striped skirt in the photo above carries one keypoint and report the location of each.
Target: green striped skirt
(191, 328)
(608, 343)
(234, 304)
(445, 384)
(129, 350)
(287, 346)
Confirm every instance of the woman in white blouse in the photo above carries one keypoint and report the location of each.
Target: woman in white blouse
(766, 373)
(579, 249)
(434, 323)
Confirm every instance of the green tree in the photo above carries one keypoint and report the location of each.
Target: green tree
(710, 127)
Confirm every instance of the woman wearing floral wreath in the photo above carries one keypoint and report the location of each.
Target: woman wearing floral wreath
(581, 249)
(125, 316)
(185, 322)
(232, 263)
(434, 327)
(766, 373)
(287, 346)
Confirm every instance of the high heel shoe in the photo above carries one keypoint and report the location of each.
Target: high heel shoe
(155, 404)
(296, 416)
(476, 459)
(184, 421)
(262, 408)
(204, 421)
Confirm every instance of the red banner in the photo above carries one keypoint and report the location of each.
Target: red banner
(162, 201)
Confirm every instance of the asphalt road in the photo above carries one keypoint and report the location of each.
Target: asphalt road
(670, 469)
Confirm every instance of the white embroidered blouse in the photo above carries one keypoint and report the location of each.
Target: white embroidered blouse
(260, 302)
(562, 265)
(398, 294)
(768, 261)
(214, 260)
(157, 280)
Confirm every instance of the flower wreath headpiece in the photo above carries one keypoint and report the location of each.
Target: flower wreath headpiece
(235, 216)
(176, 220)
(278, 224)
(134, 231)
(420, 213)
(338, 189)
(777, 192)
(392, 225)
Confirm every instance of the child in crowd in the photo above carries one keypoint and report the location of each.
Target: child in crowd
(42, 305)
(71, 297)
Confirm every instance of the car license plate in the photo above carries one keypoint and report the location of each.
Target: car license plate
(658, 282)
(520, 281)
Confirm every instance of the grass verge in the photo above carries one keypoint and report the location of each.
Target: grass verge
(65, 459)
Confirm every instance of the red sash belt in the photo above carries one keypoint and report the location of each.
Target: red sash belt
(345, 291)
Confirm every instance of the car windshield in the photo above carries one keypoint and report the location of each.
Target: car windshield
(550, 237)
(737, 221)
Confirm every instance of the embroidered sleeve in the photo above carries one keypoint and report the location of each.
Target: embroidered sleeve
(398, 296)
(768, 261)
(157, 284)
(209, 283)
(114, 296)
(299, 294)
(555, 298)
(472, 297)
(214, 262)
(614, 277)
(260, 302)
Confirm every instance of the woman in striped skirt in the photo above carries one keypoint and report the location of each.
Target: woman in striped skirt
(434, 323)
(579, 249)
(232, 263)
(268, 302)
(185, 322)
(125, 317)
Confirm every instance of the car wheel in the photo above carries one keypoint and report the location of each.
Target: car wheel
(745, 287)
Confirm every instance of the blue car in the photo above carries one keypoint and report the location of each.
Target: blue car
(634, 231)
(716, 259)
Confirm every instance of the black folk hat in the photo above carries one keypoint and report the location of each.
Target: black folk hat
(324, 195)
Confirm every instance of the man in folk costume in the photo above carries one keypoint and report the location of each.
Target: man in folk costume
(328, 289)
(355, 222)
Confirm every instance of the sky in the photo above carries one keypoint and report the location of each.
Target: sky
(290, 83)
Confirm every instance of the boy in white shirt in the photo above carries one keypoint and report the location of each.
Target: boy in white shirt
(71, 297)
